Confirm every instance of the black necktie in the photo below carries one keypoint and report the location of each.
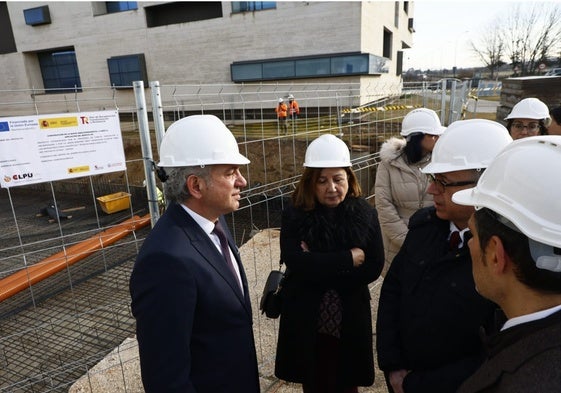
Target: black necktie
(455, 240)
(219, 231)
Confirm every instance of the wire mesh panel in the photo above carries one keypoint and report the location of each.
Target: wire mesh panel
(57, 327)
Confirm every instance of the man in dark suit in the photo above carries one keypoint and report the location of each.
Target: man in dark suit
(429, 313)
(516, 262)
(188, 287)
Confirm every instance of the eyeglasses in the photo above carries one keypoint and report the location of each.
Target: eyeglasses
(441, 185)
(531, 127)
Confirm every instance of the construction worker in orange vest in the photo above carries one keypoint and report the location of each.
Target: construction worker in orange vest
(282, 110)
(293, 108)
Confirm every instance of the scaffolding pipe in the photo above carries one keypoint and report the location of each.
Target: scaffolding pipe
(144, 130)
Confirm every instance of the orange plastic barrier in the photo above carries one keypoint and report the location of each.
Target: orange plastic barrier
(30, 275)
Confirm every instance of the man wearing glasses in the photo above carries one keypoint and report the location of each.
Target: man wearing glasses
(430, 314)
(530, 117)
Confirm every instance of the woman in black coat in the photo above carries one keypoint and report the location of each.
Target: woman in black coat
(332, 246)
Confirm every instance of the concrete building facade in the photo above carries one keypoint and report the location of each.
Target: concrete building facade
(55, 47)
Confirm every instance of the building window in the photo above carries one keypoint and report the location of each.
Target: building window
(399, 63)
(37, 16)
(59, 70)
(123, 70)
(347, 65)
(246, 6)
(410, 25)
(182, 12)
(313, 67)
(396, 14)
(308, 67)
(406, 7)
(387, 51)
(120, 6)
(7, 42)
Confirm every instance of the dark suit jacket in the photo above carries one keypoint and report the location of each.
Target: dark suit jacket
(194, 326)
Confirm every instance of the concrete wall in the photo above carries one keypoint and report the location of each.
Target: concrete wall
(195, 52)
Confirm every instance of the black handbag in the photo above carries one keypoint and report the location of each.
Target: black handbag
(271, 300)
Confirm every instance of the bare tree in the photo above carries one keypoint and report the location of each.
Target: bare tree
(490, 47)
(530, 34)
(526, 35)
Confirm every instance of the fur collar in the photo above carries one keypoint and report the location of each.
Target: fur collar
(391, 149)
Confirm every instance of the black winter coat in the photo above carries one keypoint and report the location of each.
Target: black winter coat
(329, 234)
(430, 314)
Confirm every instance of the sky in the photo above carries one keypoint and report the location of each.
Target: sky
(444, 29)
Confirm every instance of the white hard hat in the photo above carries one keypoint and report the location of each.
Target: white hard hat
(199, 140)
(520, 186)
(421, 120)
(467, 144)
(327, 151)
(281, 100)
(529, 108)
(290, 97)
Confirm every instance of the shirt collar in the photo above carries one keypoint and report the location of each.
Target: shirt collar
(530, 317)
(453, 228)
(206, 225)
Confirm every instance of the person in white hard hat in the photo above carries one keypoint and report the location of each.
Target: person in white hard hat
(400, 187)
(189, 291)
(293, 108)
(529, 117)
(282, 112)
(331, 243)
(429, 313)
(516, 257)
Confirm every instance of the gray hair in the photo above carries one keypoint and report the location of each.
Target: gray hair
(175, 187)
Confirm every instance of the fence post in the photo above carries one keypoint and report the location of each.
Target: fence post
(157, 112)
(146, 145)
(453, 110)
(443, 102)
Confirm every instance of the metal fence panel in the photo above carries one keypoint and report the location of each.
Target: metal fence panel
(55, 330)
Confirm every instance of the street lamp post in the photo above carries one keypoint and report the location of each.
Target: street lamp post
(456, 51)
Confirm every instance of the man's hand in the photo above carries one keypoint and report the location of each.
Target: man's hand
(358, 256)
(396, 380)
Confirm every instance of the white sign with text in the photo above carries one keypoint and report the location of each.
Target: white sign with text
(36, 149)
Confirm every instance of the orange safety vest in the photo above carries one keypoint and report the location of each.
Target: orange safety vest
(281, 110)
(293, 105)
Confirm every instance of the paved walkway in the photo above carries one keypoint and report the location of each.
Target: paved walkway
(120, 372)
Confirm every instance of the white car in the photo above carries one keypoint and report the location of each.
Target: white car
(553, 72)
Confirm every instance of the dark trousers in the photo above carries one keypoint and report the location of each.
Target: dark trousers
(326, 378)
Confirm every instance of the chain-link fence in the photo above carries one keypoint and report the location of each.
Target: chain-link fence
(65, 261)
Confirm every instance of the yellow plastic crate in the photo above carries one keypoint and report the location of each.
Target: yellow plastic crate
(116, 202)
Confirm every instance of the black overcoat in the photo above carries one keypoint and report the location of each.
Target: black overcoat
(330, 234)
(429, 313)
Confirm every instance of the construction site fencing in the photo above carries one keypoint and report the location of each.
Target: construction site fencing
(65, 259)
